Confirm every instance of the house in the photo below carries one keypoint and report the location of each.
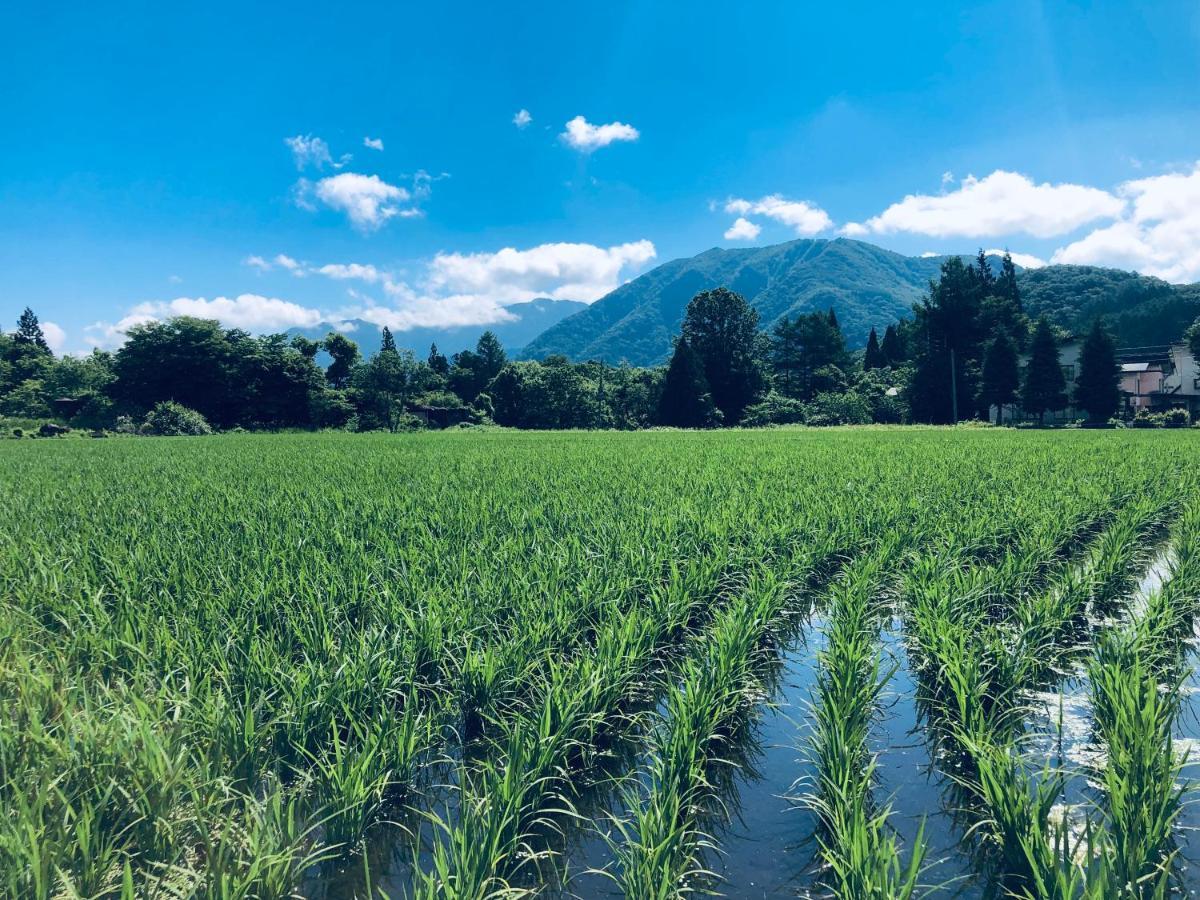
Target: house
(1180, 386)
(1068, 360)
(1143, 371)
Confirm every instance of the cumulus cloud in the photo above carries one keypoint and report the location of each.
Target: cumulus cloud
(286, 262)
(586, 137)
(804, 218)
(309, 151)
(1159, 235)
(561, 271)
(350, 271)
(1025, 260)
(998, 204)
(251, 312)
(522, 118)
(257, 262)
(742, 229)
(367, 200)
(373, 143)
(55, 337)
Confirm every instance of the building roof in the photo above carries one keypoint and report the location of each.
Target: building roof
(1135, 367)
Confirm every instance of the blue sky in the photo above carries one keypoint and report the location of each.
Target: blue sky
(211, 158)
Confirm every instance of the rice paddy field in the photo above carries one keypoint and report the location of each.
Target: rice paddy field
(877, 663)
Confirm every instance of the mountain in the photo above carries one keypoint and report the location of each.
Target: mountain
(532, 319)
(866, 286)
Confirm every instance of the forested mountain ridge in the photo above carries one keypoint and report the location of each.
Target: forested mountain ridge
(867, 287)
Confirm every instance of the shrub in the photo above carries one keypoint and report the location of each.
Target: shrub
(774, 409)
(839, 409)
(1146, 419)
(125, 425)
(1175, 418)
(169, 419)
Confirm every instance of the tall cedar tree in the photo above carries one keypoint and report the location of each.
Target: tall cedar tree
(893, 353)
(722, 328)
(1045, 386)
(686, 401)
(389, 342)
(29, 331)
(1001, 376)
(438, 364)
(1192, 336)
(873, 357)
(1098, 387)
(949, 352)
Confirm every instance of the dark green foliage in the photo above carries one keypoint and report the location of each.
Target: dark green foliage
(1192, 336)
(873, 357)
(383, 385)
(722, 329)
(1001, 379)
(388, 343)
(1045, 387)
(1097, 389)
(345, 356)
(893, 352)
(774, 409)
(802, 347)
(29, 331)
(473, 369)
(437, 362)
(948, 331)
(686, 401)
(306, 347)
(169, 419)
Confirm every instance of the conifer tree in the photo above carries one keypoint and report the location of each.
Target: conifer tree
(389, 342)
(1097, 389)
(686, 401)
(1045, 386)
(29, 331)
(893, 353)
(1001, 376)
(437, 361)
(873, 357)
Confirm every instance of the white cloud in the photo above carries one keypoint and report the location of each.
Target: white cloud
(1025, 260)
(55, 337)
(999, 204)
(175, 279)
(929, 254)
(1159, 235)
(583, 135)
(309, 151)
(562, 271)
(367, 200)
(801, 216)
(350, 271)
(373, 143)
(286, 262)
(742, 230)
(257, 262)
(522, 118)
(249, 311)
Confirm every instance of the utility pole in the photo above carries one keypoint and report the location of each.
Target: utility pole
(953, 386)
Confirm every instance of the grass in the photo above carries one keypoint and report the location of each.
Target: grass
(225, 664)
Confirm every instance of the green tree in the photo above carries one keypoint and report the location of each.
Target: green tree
(1045, 386)
(1098, 386)
(29, 331)
(873, 358)
(1001, 378)
(948, 352)
(344, 355)
(388, 344)
(891, 349)
(473, 370)
(722, 329)
(306, 347)
(1192, 336)
(383, 386)
(686, 401)
(803, 346)
(437, 362)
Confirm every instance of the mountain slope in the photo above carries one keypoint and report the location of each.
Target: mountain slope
(532, 319)
(864, 284)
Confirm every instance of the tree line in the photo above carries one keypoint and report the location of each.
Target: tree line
(956, 358)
